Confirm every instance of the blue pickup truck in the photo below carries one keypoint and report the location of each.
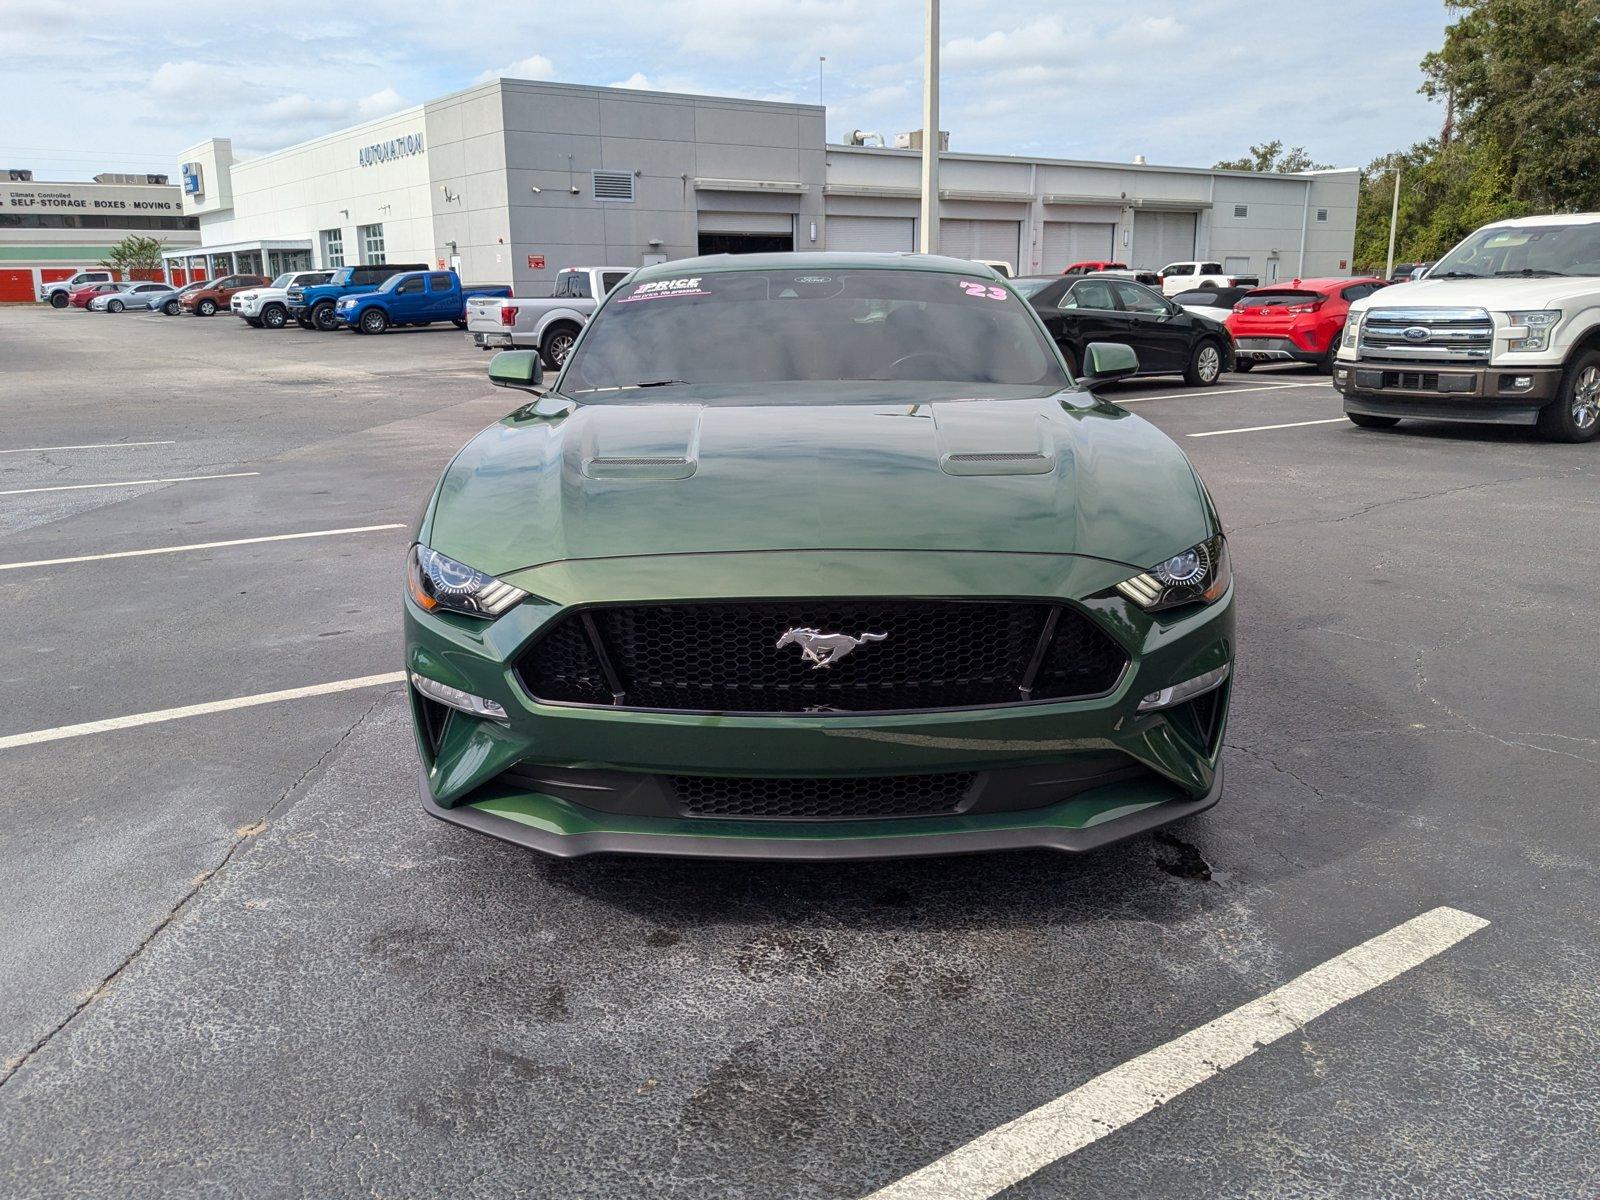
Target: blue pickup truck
(415, 298)
(312, 307)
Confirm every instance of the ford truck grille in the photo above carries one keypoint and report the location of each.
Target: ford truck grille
(1413, 335)
(724, 656)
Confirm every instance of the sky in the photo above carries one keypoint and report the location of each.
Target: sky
(90, 87)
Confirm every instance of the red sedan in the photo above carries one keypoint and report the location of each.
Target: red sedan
(1298, 321)
(81, 297)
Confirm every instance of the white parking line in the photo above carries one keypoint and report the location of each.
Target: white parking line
(1014, 1151)
(1259, 428)
(195, 710)
(1260, 387)
(251, 541)
(87, 446)
(79, 487)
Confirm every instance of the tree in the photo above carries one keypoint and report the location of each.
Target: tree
(1271, 156)
(135, 253)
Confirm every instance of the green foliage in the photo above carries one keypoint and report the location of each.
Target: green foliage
(135, 253)
(1271, 156)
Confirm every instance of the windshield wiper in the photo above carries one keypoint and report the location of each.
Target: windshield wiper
(657, 383)
(1454, 275)
(1531, 273)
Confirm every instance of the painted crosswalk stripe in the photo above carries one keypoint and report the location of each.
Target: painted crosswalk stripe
(133, 721)
(1009, 1154)
(1260, 428)
(250, 541)
(80, 487)
(85, 446)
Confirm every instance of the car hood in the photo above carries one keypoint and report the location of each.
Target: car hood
(1495, 295)
(1014, 471)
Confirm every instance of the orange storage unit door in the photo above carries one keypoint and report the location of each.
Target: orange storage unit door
(17, 285)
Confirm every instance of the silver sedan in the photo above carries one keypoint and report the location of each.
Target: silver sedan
(133, 295)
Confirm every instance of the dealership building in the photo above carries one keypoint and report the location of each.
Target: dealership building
(50, 230)
(512, 180)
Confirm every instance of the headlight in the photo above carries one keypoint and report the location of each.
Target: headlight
(1352, 331)
(1200, 575)
(438, 582)
(1531, 330)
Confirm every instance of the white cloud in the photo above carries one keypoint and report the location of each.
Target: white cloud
(638, 81)
(535, 66)
(191, 80)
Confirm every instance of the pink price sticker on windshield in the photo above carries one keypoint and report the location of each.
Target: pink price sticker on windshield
(984, 291)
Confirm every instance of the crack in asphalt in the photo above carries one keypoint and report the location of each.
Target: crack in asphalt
(1395, 501)
(243, 835)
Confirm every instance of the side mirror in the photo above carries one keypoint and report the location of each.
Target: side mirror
(1104, 362)
(516, 369)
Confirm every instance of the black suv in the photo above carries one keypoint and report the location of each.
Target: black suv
(312, 307)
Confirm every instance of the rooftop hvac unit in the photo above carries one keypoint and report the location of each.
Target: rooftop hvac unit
(19, 175)
(913, 140)
(122, 177)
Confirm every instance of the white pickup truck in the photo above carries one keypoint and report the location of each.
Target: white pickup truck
(1505, 330)
(1194, 276)
(547, 324)
(57, 292)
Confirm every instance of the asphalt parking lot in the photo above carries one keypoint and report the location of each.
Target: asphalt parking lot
(236, 958)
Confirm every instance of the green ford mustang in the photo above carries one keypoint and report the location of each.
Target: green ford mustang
(818, 556)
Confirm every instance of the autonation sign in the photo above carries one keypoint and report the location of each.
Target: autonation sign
(382, 152)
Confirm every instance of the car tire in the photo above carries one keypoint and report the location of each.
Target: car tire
(206, 308)
(305, 323)
(274, 316)
(115, 306)
(58, 299)
(1368, 421)
(556, 344)
(1574, 415)
(171, 308)
(374, 320)
(1205, 364)
(323, 318)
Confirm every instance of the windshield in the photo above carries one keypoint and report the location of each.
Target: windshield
(1524, 250)
(1273, 299)
(815, 325)
(342, 277)
(1031, 286)
(283, 281)
(389, 284)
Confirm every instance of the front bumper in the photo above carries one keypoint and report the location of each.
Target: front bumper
(1069, 775)
(1445, 392)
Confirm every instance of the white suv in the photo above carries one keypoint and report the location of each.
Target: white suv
(1505, 330)
(269, 306)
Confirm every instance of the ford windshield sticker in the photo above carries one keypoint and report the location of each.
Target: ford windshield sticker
(660, 289)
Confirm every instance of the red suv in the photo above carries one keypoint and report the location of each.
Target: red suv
(1298, 321)
(205, 301)
(1089, 268)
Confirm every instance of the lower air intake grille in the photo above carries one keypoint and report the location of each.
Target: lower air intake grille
(725, 657)
(821, 799)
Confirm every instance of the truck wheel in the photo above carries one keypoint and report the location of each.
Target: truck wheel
(557, 344)
(374, 321)
(115, 306)
(1205, 365)
(273, 316)
(1368, 421)
(322, 317)
(171, 308)
(206, 307)
(1574, 415)
(58, 299)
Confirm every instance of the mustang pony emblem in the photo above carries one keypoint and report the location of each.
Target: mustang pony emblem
(824, 649)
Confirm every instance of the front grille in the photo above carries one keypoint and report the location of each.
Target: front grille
(724, 657)
(821, 799)
(1452, 335)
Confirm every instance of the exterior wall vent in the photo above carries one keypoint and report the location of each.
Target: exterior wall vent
(613, 185)
(1240, 211)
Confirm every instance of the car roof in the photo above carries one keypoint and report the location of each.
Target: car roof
(808, 260)
(1550, 219)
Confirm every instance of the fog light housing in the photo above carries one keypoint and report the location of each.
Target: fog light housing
(1178, 693)
(452, 697)
(1521, 383)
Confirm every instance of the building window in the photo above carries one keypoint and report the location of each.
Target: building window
(613, 185)
(1241, 211)
(372, 244)
(1322, 214)
(333, 247)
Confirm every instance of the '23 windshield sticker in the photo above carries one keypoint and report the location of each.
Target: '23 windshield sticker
(984, 291)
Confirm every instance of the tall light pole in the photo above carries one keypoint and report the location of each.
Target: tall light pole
(1394, 220)
(928, 234)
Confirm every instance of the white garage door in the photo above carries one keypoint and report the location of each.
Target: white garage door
(755, 222)
(1067, 242)
(885, 234)
(980, 240)
(1160, 238)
